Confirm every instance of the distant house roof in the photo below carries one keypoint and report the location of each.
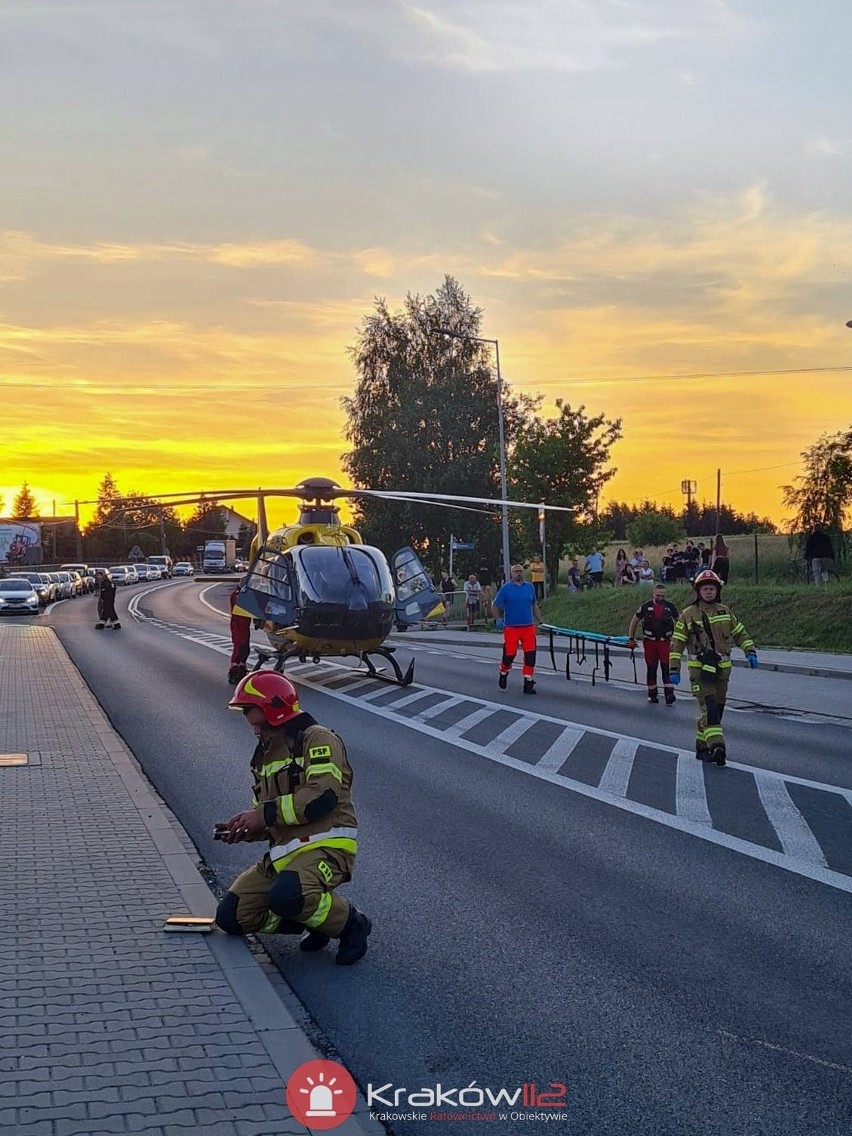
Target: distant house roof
(234, 521)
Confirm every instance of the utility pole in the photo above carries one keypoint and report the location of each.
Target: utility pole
(687, 488)
(718, 501)
(452, 550)
(162, 535)
(78, 536)
(541, 535)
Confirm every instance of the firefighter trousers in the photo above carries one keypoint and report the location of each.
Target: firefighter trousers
(710, 691)
(656, 652)
(523, 637)
(299, 897)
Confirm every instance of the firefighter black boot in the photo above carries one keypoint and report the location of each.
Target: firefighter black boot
(529, 686)
(314, 941)
(670, 696)
(502, 680)
(702, 753)
(353, 938)
(653, 697)
(718, 755)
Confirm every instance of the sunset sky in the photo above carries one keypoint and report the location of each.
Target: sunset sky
(200, 200)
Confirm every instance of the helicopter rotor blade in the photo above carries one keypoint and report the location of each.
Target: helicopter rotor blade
(437, 498)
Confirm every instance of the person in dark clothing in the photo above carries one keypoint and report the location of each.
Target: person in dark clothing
(658, 617)
(240, 642)
(819, 554)
(721, 562)
(106, 605)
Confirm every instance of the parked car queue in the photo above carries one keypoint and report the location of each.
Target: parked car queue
(26, 591)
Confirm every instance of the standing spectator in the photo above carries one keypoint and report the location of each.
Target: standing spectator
(705, 554)
(594, 566)
(519, 625)
(721, 562)
(472, 596)
(646, 573)
(620, 565)
(537, 575)
(691, 557)
(667, 574)
(658, 617)
(819, 554)
(448, 586)
(575, 580)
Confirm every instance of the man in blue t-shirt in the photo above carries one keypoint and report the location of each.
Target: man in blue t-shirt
(594, 566)
(517, 613)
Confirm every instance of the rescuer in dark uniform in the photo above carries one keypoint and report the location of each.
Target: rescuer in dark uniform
(302, 806)
(106, 605)
(658, 617)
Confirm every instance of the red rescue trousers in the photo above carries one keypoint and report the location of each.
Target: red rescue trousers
(657, 651)
(523, 637)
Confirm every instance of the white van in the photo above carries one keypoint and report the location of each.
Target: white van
(164, 563)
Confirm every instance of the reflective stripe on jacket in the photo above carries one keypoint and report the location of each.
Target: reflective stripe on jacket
(292, 781)
(690, 635)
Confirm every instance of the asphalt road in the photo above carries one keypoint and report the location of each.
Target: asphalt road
(525, 931)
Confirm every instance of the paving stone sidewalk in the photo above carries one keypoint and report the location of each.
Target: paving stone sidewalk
(107, 1024)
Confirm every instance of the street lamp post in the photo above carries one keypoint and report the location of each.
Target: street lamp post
(501, 432)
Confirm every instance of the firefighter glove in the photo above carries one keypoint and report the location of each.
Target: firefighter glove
(753, 661)
(674, 677)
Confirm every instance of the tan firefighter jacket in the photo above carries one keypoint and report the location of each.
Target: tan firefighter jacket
(290, 783)
(690, 636)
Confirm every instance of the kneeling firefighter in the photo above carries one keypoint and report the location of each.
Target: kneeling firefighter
(303, 807)
(707, 630)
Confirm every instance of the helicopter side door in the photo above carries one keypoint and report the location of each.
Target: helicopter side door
(416, 595)
(268, 592)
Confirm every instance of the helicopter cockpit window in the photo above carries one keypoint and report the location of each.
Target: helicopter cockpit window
(331, 574)
(409, 577)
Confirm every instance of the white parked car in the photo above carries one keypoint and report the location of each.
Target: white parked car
(18, 597)
(121, 575)
(183, 568)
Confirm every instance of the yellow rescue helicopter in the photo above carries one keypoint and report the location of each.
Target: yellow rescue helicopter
(317, 590)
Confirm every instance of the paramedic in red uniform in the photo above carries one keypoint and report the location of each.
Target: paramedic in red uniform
(658, 617)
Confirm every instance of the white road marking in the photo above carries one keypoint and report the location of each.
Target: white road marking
(802, 861)
(796, 838)
(434, 711)
(555, 757)
(616, 776)
(690, 793)
(467, 723)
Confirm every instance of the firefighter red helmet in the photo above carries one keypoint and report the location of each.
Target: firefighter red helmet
(273, 693)
(707, 577)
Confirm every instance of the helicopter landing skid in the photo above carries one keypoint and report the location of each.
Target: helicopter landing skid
(398, 678)
(280, 658)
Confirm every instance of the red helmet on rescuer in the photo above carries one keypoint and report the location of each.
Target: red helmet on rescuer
(707, 577)
(274, 694)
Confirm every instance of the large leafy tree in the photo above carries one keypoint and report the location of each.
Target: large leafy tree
(25, 504)
(424, 417)
(121, 521)
(563, 461)
(822, 493)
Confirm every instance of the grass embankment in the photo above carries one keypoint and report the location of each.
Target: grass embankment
(810, 618)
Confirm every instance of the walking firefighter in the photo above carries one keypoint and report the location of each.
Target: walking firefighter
(707, 631)
(106, 605)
